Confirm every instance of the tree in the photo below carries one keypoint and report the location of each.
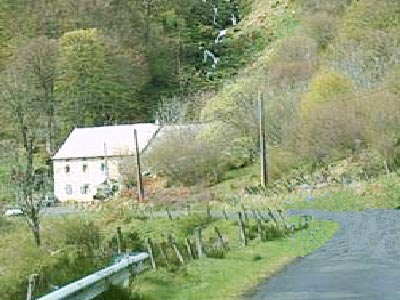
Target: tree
(172, 111)
(22, 106)
(98, 81)
(37, 59)
(81, 68)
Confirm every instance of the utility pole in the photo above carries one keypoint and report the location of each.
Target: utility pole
(106, 172)
(139, 172)
(263, 147)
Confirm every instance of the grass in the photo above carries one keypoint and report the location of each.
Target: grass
(6, 191)
(382, 193)
(242, 269)
(19, 256)
(339, 201)
(198, 277)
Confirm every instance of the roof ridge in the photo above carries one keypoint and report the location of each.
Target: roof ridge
(89, 141)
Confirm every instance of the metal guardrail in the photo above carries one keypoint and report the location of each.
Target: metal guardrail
(93, 285)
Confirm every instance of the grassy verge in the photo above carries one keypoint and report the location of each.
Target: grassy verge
(242, 269)
(383, 193)
(338, 201)
(70, 246)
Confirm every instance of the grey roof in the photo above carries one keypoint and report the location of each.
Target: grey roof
(119, 140)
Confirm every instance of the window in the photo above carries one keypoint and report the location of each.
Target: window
(85, 189)
(84, 168)
(103, 166)
(67, 169)
(68, 189)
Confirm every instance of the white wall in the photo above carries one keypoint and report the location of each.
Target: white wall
(94, 176)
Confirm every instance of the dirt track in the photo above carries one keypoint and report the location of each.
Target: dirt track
(361, 261)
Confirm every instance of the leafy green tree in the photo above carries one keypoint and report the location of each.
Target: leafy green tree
(81, 69)
(98, 80)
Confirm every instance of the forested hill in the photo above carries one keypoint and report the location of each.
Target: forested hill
(329, 69)
(99, 61)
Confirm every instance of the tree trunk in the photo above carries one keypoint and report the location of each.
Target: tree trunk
(36, 234)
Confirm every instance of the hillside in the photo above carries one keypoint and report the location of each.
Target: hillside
(328, 71)
(330, 78)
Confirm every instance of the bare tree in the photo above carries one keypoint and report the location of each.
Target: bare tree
(171, 111)
(38, 59)
(22, 108)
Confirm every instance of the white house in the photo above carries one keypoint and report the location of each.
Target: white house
(90, 156)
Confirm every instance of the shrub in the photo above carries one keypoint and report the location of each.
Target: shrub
(322, 28)
(330, 7)
(325, 87)
(118, 293)
(83, 235)
(367, 39)
(381, 129)
(184, 158)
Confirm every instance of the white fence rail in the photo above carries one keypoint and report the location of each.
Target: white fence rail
(93, 285)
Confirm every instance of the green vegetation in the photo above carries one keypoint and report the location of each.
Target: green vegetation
(328, 70)
(381, 193)
(62, 258)
(241, 269)
(337, 201)
(73, 247)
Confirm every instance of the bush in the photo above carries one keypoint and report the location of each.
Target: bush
(322, 28)
(83, 235)
(118, 293)
(185, 159)
(331, 7)
(326, 87)
(3, 223)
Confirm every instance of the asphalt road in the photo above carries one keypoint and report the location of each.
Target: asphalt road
(361, 261)
(58, 211)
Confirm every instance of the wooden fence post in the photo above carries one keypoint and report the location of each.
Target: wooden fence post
(151, 211)
(224, 213)
(188, 248)
(168, 213)
(150, 250)
(199, 243)
(245, 213)
(208, 210)
(242, 229)
(259, 229)
(260, 214)
(189, 213)
(220, 239)
(162, 251)
(119, 240)
(175, 248)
